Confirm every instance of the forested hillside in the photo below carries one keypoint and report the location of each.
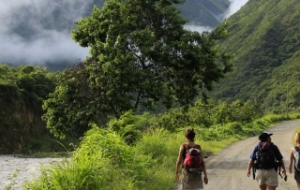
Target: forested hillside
(264, 35)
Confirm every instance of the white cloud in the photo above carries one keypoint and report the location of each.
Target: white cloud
(42, 45)
(196, 28)
(57, 46)
(234, 6)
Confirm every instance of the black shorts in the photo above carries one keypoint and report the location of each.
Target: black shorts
(297, 175)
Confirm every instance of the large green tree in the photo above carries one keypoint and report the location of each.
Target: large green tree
(140, 55)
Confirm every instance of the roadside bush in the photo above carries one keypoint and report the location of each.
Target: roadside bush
(130, 126)
(234, 128)
(153, 144)
(104, 161)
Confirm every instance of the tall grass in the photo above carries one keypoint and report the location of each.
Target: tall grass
(105, 161)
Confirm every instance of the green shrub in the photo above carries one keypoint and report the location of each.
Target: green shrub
(234, 128)
(103, 161)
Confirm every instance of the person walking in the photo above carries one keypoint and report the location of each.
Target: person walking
(294, 159)
(191, 179)
(266, 159)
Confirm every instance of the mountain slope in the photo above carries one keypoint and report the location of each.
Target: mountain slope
(265, 39)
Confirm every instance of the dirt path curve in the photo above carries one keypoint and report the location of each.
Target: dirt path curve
(227, 170)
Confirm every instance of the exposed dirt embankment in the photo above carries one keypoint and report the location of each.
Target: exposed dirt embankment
(20, 120)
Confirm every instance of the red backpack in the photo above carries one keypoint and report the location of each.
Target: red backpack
(192, 159)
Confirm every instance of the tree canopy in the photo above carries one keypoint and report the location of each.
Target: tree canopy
(140, 55)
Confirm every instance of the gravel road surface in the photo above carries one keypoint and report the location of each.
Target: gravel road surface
(228, 169)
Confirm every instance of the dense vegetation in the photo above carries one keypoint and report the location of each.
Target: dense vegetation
(22, 94)
(264, 36)
(22, 90)
(105, 161)
(137, 61)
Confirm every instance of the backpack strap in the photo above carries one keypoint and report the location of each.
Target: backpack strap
(183, 153)
(185, 147)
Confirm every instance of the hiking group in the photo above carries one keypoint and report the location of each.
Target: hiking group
(266, 163)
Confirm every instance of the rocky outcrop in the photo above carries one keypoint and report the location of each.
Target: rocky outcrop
(20, 120)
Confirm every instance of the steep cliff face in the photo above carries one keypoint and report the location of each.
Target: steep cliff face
(20, 120)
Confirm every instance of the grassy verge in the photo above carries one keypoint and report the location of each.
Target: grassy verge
(104, 161)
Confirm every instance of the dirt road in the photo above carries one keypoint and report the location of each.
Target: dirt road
(227, 170)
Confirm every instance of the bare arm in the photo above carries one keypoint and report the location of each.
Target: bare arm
(283, 167)
(250, 164)
(291, 160)
(178, 162)
(204, 167)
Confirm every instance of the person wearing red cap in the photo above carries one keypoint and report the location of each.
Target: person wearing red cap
(266, 158)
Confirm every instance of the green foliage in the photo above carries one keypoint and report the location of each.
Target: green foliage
(170, 120)
(35, 81)
(74, 104)
(208, 114)
(7, 74)
(135, 55)
(264, 37)
(152, 144)
(141, 56)
(129, 126)
(104, 161)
